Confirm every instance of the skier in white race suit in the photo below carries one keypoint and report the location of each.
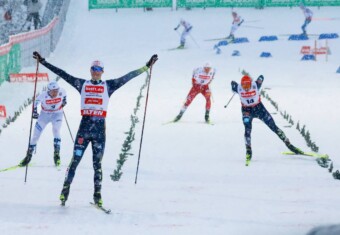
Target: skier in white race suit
(52, 102)
(187, 28)
(237, 21)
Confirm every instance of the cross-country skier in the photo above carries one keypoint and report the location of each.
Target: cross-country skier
(252, 107)
(237, 21)
(187, 28)
(52, 102)
(201, 78)
(95, 94)
(308, 18)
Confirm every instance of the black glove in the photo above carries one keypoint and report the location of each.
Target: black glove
(234, 86)
(38, 57)
(35, 114)
(64, 102)
(152, 60)
(261, 77)
(176, 28)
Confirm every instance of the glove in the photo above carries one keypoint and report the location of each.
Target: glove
(233, 86)
(259, 80)
(176, 28)
(64, 102)
(38, 57)
(35, 114)
(152, 60)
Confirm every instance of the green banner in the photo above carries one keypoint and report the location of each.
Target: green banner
(291, 3)
(14, 57)
(10, 63)
(97, 4)
(3, 68)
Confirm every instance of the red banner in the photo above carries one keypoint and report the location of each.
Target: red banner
(305, 50)
(28, 77)
(2, 111)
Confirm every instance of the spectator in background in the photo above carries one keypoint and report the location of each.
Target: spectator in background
(33, 8)
(8, 15)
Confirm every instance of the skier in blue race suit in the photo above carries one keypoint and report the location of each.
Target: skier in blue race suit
(252, 107)
(95, 94)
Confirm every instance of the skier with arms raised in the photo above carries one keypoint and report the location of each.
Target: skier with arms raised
(95, 94)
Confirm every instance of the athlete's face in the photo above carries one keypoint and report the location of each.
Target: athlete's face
(96, 72)
(53, 93)
(207, 69)
(246, 86)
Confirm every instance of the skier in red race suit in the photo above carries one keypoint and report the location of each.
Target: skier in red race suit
(201, 78)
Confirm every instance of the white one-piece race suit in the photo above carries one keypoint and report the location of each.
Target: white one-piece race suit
(51, 111)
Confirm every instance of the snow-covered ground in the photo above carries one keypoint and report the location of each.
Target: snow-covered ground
(192, 176)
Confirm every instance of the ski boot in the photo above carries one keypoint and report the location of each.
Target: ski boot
(56, 158)
(292, 147)
(64, 194)
(230, 38)
(27, 159)
(178, 117)
(248, 155)
(218, 51)
(206, 116)
(97, 198)
(57, 151)
(180, 46)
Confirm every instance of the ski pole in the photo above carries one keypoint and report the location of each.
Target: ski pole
(33, 101)
(250, 26)
(141, 138)
(69, 130)
(194, 40)
(225, 106)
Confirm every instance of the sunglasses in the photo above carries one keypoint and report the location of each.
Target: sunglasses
(97, 69)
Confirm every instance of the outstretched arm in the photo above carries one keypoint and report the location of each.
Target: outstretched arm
(73, 81)
(114, 84)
